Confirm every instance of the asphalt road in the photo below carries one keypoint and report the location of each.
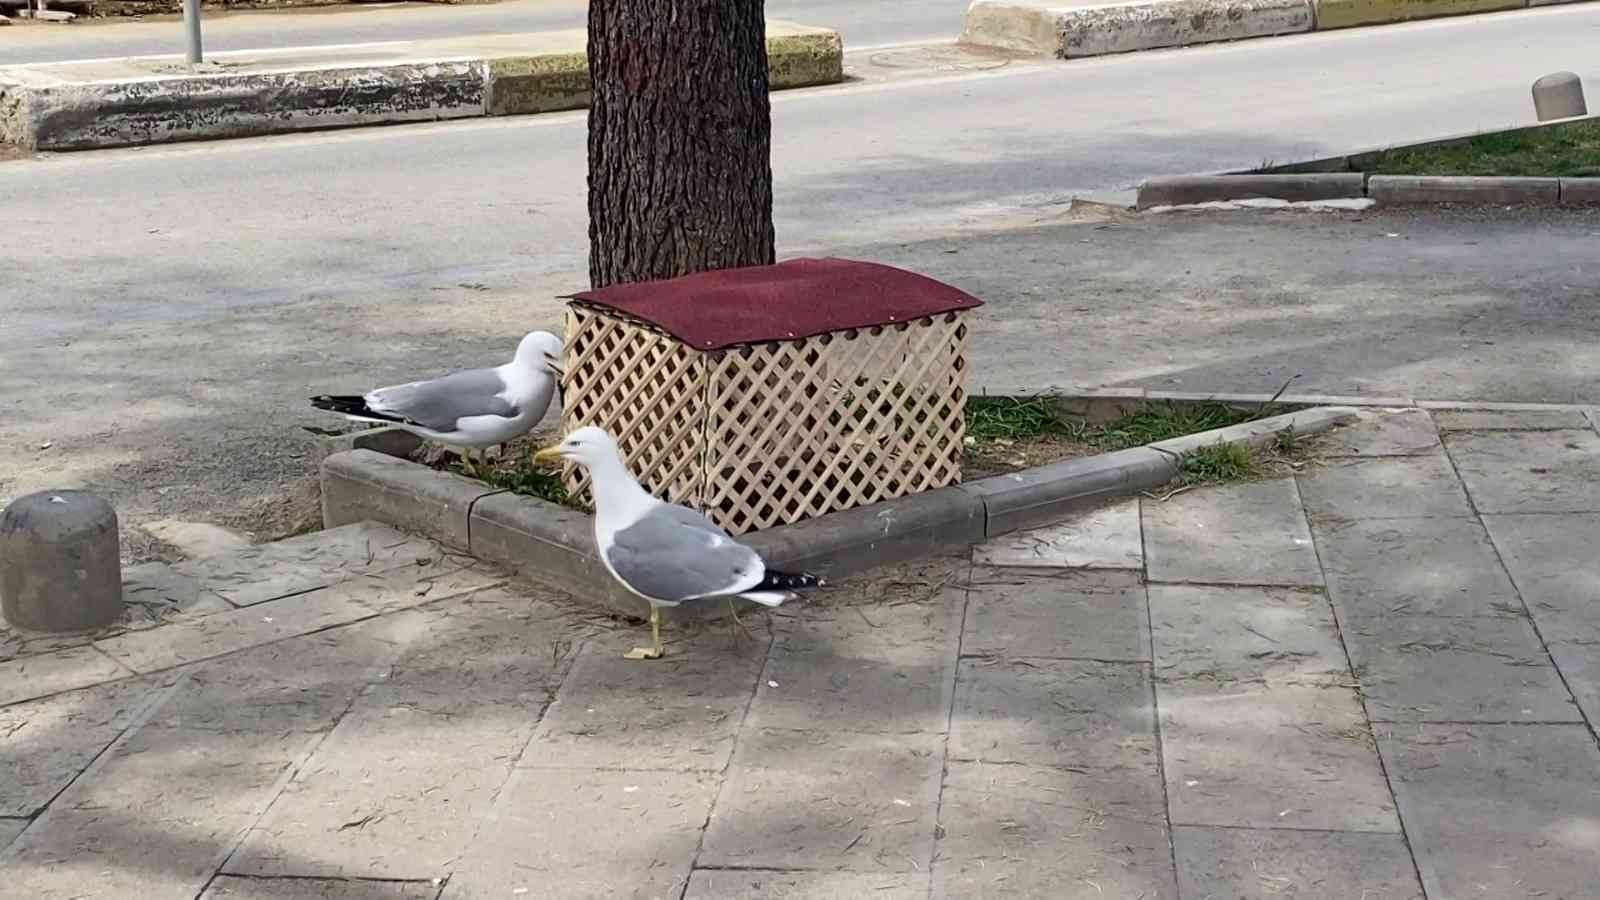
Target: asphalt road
(167, 310)
(862, 23)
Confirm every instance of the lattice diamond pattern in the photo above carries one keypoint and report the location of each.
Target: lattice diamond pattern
(770, 434)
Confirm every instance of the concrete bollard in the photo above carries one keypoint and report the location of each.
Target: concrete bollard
(60, 568)
(1558, 96)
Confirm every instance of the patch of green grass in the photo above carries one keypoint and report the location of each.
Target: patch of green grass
(1164, 422)
(1286, 442)
(1016, 418)
(1219, 464)
(519, 477)
(1571, 150)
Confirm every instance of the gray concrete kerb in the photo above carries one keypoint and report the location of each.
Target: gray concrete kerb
(1183, 190)
(1411, 190)
(1302, 181)
(135, 101)
(1384, 190)
(554, 545)
(1069, 31)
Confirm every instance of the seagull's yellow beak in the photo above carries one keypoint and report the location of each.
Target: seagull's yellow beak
(548, 454)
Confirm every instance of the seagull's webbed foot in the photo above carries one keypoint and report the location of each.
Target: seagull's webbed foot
(655, 652)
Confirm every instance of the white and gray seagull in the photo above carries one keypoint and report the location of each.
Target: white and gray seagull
(667, 554)
(472, 409)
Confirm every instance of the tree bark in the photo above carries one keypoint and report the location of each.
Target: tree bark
(680, 138)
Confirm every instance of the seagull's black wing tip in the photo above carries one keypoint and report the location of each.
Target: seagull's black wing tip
(789, 581)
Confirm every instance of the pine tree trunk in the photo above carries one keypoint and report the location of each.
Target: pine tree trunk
(680, 138)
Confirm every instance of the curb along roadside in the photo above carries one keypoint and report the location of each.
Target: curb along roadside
(1336, 178)
(555, 545)
(1384, 190)
(99, 104)
(1071, 32)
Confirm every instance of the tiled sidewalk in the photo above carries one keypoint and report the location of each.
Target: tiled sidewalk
(1377, 677)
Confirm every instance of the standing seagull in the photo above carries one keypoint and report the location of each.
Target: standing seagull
(667, 554)
(473, 409)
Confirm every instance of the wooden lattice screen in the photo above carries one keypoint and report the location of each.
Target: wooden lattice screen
(769, 434)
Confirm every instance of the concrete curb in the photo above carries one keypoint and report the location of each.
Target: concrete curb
(1400, 190)
(1069, 32)
(1277, 183)
(98, 104)
(552, 544)
(1385, 190)
(1187, 189)
(1078, 31)
(1098, 405)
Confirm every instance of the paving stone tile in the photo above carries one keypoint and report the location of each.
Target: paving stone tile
(1552, 559)
(399, 786)
(411, 586)
(153, 594)
(16, 644)
(1251, 756)
(44, 744)
(1054, 712)
(357, 597)
(678, 712)
(1025, 831)
(1383, 432)
(1529, 471)
(1050, 613)
(30, 677)
(1248, 533)
(866, 668)
(1103, 538)
(248, 581)
(358, 547)
(11, 827)
(1432, 567)
(226, 887)
(159, 592)
(156, 812)
(1391, 488)
(1230, 634)
(269, 571)
(827, 800)
(222, 633)
(765, 884)
(1509, 420)
(1256, 864)
(587, 834)
(1428, 669)
(1498, 810)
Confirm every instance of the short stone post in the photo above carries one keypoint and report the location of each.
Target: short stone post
(60, 567)
(1558, 96)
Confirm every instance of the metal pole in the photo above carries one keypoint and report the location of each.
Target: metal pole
(191, 27)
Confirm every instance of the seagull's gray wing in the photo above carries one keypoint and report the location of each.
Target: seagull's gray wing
(437, 404)
(675, 554)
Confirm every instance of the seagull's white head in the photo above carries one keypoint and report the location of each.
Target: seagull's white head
(589, 446)
(541, 352)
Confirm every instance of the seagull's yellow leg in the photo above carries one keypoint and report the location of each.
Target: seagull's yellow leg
(656, 651)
